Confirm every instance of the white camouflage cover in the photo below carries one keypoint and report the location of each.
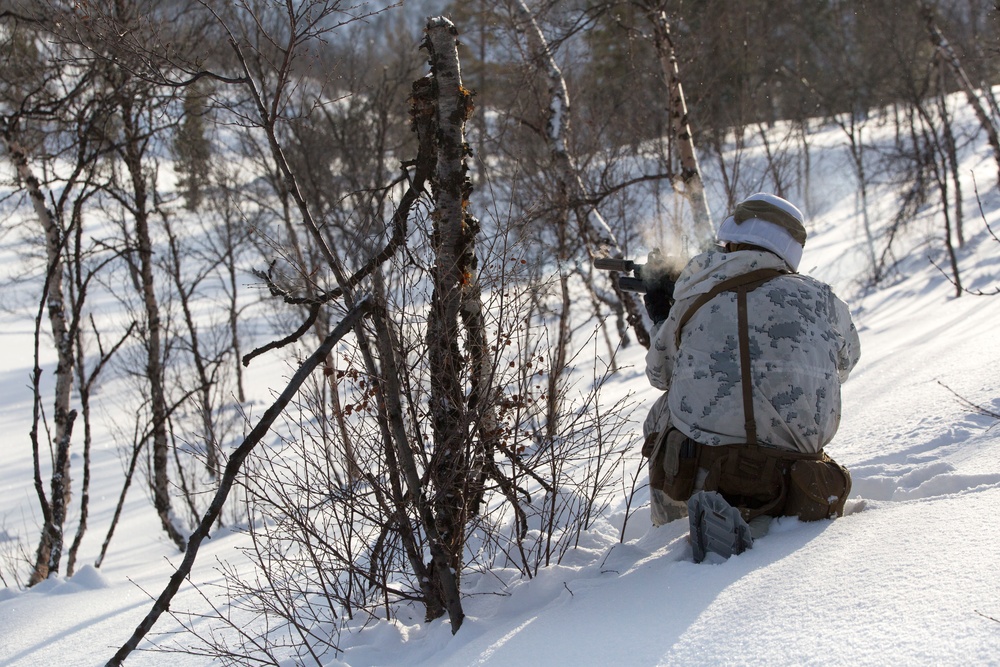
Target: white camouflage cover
(803, 345)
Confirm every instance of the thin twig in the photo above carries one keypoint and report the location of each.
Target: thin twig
(969, 404)
(982, 213)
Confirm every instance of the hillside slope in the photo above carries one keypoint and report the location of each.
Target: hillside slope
(908, 577)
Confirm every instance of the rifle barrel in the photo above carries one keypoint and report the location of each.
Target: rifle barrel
(630, 284)
(611, 264)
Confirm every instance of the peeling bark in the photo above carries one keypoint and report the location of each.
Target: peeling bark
(453, 241)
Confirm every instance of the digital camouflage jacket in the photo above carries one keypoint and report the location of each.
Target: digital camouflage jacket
(803, 345)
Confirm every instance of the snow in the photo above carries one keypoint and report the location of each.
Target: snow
(908, 577)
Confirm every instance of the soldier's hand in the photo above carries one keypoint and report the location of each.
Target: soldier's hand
(659, 298)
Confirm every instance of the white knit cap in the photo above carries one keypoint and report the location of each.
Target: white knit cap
(760, 232)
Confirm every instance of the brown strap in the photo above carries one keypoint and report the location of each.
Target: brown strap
(743, 283)
(749, 422)
(708, 455)
(752, 280)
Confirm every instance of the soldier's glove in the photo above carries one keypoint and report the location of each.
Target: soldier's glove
(659, 298)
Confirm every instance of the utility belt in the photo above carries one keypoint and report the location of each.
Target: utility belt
(756, 479)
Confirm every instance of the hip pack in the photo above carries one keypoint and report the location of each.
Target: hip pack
(756, 479)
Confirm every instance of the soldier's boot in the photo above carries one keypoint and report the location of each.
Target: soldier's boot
(716, 526)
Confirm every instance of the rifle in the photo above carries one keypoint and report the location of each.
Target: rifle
(654, 280)
(658, 273)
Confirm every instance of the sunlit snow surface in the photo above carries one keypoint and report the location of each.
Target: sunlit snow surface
(909, 577)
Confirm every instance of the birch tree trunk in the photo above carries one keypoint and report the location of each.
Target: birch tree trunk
(950, 150)
(204, 375)
(50, 545)
(439, 580)
(593, 227)
(132, 154)
(694, 189)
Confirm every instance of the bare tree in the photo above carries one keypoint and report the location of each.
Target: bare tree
(53, 296)
(50, 120)
(444, 595)
(690, 175)
(133, 194)
(950, 57)
(233, 467)
(572, 195)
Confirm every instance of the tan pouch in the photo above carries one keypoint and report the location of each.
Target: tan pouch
(652, 449)
(817, 489)
(680, 465)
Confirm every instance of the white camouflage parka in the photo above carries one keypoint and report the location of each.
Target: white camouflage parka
(803, 345)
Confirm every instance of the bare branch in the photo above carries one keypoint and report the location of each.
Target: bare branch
(229, 476)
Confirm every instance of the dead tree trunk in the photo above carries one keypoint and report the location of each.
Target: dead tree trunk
(441, 583)
(694, 189)
(453, 241)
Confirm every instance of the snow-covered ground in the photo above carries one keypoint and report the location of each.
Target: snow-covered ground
(909, 577)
